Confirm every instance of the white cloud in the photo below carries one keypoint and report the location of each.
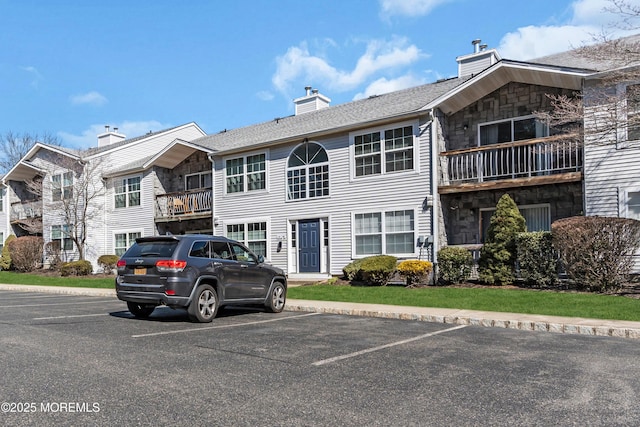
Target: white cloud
(89, 137)
(264, 95)
(90, 98)
(299, 66)
(408, 7)
(589, 19)
(384, 85)
(35, 75)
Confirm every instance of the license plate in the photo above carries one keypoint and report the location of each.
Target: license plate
(140, 271)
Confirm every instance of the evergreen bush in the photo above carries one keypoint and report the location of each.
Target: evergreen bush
(352, 270)
(108, 263)
(537, 259)
(5, 258)
(377, 270)
(76, 268)
(498, 254)
(454, 264)
(415, 271)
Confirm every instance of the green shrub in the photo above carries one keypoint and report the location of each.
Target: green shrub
(76, 268)
(498, 254)
(537, 259)
(108, 263)
(454, 264)
(597, 252)
(352, 270)
(5, 258)
(377, 270)
(26, 253)
(414, 271)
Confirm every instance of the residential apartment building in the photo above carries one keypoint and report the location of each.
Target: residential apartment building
(404, 173)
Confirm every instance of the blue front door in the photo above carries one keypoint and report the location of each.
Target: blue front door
(309, 246)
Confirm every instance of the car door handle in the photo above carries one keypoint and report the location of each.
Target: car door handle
(244, 265)
(217, 264)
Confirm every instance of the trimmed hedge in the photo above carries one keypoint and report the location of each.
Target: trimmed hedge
(5, 258)
(415, 271)
(537, 259)
(108, 263)
(76, 268)
(374, 270)
(597, 252)
(454, 264)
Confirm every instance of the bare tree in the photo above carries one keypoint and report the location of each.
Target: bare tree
(13, 146)
(603, 107)
(70, 194)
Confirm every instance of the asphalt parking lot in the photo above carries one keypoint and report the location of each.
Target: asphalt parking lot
(80, 360)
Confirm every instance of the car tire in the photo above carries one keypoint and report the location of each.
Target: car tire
(204, 306)
(277, 298)
(141, 311)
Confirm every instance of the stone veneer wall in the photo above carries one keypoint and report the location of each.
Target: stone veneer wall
(511, 100)
(461, 211)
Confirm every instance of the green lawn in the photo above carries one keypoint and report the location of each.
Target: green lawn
(570, 304)
(11, 277)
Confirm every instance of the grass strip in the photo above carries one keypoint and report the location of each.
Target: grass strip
(553, 303)
(13, 278)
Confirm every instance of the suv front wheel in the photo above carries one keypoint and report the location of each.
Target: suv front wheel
(277, 298)
(204, 306)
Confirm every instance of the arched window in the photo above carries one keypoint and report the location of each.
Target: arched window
(308, 172)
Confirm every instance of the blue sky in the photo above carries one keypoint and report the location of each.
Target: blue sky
(70, 67)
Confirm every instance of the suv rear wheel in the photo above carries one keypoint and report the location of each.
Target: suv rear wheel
(141, 311)
(204, 306)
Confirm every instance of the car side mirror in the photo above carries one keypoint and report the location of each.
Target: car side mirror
(260, 259)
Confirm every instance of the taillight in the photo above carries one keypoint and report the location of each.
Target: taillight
(172, 265)
(121, 263)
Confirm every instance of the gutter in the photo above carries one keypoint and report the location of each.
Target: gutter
(434, 194)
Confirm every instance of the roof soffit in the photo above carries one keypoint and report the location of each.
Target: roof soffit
(496, 77)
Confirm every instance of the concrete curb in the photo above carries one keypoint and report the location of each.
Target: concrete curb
(526, 322)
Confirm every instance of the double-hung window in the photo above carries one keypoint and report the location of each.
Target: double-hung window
(61, 237)
(3, 191)
(391, 232)
(384, 151)
(252, 234)
(127, 192)
(122, 241)
(247, 173)
(62, 186)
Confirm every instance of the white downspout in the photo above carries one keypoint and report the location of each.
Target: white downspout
(434, 193)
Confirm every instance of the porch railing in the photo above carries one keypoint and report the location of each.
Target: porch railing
(180, 204)
(522, 159)
(26, 210)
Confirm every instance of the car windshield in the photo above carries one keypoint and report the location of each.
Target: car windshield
(152, 249)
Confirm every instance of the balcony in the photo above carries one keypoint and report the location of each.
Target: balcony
(539, 161)
(183, 205)
(25, 211)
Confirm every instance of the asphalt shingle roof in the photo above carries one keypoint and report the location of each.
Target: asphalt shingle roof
(394, 104)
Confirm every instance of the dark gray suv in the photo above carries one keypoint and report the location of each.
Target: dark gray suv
(198, 272)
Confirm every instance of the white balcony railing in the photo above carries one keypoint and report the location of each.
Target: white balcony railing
(522, 159)
(174, 205)
(26, 210)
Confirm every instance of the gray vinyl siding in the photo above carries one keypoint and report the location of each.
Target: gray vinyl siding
(348, 195)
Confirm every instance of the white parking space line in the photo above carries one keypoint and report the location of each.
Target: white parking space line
(7, 298)
(55, 303)
(382, 347)
(152, 334)
(69, 317)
